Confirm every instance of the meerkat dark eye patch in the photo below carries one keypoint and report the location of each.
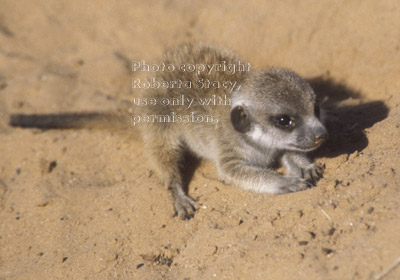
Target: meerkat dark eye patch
(284, 122)
(240, 119)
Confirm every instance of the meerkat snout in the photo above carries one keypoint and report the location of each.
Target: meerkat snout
(321, 135)
(316, 133)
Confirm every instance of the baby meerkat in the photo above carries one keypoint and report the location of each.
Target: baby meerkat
(264, 118)
(272, 119)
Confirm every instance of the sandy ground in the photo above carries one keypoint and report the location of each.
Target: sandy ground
(82, 204)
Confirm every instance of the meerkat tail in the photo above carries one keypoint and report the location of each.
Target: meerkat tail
(94, 120)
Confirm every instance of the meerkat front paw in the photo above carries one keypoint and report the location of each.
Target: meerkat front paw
(294, 184)
(299, 165)
(312, 173)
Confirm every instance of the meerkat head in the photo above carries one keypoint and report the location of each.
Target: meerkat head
(276, 108)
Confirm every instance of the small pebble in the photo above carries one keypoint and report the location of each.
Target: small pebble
(139, 265)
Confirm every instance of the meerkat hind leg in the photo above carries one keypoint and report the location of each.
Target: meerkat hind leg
(167, 161)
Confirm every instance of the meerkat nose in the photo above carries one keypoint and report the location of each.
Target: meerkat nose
(321, 136)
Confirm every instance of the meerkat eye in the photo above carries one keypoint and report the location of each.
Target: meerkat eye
(284, 121)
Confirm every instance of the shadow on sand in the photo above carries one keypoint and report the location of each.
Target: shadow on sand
(346, 123)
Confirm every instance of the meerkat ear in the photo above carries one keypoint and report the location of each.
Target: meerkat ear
(240, 119)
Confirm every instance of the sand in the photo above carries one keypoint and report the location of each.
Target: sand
(84, 204)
